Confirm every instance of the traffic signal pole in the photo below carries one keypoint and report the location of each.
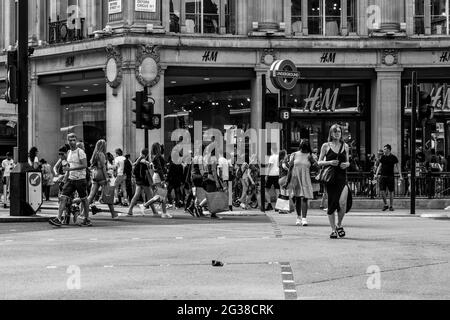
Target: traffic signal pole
(19, 205)
(414, 102)
(263, 138)
(146, 141)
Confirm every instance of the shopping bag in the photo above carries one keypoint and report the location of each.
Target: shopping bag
(162, 192)
(283, 203)
(217, 202)
(108, 194)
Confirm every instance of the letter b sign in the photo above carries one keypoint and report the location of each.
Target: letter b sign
(285, 114)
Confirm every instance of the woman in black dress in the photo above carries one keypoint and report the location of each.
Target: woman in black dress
(335, 153)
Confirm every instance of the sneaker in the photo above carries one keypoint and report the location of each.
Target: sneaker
(125, 204)
(391, 209)
(116, 215)
(5, 206)
(142, 208)
(189, 210)
(304, 222)
(321, 207)
(55, 222)
(299, 222)
(129, 214)
(269, 207)
(243, 206)
(86, 223)
(385, 208)
(95, 210)
(447, 208)
(325, 209)
(166, 216)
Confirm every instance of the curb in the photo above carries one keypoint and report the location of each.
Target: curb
(435, 216)
(24, 219)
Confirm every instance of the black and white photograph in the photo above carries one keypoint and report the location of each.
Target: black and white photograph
(225, 155)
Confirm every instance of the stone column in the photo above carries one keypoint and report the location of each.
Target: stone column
(390, 15)
(287, 16)
(409, 17)
(45, 120)
(386, 109)
(305, 17)
(242, 20)
(361, 9)
(427, 18)
(344, 23)
(165, 15)
(267, 14)
(183, 17)
(256, 103)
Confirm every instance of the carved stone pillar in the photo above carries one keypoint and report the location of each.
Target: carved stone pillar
(268, 14)
(390, 15)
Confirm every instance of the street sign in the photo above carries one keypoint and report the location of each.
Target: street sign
(34, 190)
(284, 74)
(285, 114)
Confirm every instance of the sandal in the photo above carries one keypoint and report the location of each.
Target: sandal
(333, 235)
(340, 231)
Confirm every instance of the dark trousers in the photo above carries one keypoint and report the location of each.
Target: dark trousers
(178, 196)
(129, 188)
(46, 192)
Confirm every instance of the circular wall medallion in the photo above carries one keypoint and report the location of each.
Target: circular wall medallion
(268, 59)
(389, 59)
(111, 70)
(148, 69)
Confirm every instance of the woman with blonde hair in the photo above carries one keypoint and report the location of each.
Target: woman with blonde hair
(335, 153)
(100, 176)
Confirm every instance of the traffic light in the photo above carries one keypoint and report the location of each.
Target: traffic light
(11, 95)
(426, 111)
(139, 100)
(147, 113)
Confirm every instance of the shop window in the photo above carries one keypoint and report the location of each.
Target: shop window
(419, 17)
(351, 16)
(228, 108)
(296, 16)
(439, 17)
(175, 15)
(324, 17)
(86, 120)
(205, 16)
(67, 20)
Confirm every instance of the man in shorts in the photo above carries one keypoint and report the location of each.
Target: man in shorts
(76, 181)
(7, 167)
(272, 178)
(387, 181)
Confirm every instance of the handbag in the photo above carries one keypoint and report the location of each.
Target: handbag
(327, 175)
(217, 202)
(314, 170)
(283, 203)
(98, 175)
(108, 194)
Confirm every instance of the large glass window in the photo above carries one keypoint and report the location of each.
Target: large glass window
(324, 17)
(205, 16)
(87, 120)
(296, 16)
(223, 108)
(439, 17)
(419, 17)
(351, 15)
(67, 20)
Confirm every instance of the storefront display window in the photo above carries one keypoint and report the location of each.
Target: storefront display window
(227, 109)
(317, 105)
(86, 120)
(204, 16)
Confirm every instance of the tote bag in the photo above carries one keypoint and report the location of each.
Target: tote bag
(283, 203)
(108, 194)
(217, 202)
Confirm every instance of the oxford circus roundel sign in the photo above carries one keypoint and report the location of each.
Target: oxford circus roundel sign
(284, 74)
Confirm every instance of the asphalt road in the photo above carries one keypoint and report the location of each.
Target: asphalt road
(265, 257)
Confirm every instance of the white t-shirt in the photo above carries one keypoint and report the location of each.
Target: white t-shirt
(74, 158)
(274, 165)
(120, 164)
(7, 165)
(36, 160)
(223, 164)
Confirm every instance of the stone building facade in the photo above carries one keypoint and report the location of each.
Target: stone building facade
(355, 57)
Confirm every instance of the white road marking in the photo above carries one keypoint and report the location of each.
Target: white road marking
(108, 266)
(288, 281)
(8, 240)
(221, 238)
(51, 267)
(286, 273)
(179, 238)
(94, 239)
(293, 291)
(135, 239)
